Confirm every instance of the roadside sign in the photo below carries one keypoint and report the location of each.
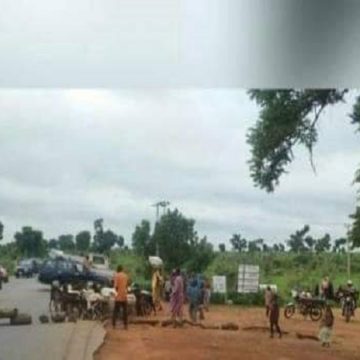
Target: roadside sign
(219, 284)
(248, 280)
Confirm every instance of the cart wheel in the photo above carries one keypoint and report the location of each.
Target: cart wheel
(289, 311)
(315, 313)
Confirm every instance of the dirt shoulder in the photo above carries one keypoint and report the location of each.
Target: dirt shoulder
(148, 342)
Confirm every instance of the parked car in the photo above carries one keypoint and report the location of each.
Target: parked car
(28, 267)
(36, 265)
(4, 276)
(25, 268)
(66, 271)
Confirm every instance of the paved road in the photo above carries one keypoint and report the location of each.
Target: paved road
(42, 341)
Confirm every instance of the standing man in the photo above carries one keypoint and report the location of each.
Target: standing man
(121, 282)
(268, 297)
(87, 264)
(207, 295)
(326, 289)
(193, 294)
(274, 316)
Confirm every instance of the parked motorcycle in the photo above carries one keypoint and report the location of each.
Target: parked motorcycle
(348, 307)
(305, 306)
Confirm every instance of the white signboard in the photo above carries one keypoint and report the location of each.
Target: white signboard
(248, 280)
(219, 284)
(273, 287)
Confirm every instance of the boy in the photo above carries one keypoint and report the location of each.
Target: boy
(121, 282)
(326, 325)
(274, 316)
(193, 295)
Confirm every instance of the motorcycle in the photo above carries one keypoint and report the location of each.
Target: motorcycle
(348, 307)
(348, 302)
(305, 306)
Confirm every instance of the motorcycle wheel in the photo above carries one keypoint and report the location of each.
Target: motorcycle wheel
(315, 313)
(289, 311)
(347, 314)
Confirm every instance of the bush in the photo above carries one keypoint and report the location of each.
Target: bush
(217, 298)
(135, 265)
(253, 299)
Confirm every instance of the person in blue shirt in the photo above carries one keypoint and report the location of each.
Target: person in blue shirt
(193, 295)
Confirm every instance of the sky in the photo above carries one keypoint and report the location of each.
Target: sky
(71, 156)
(175, 43)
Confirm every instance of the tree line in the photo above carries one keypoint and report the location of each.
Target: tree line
(176, 239)
(299, 242)
(30, 242)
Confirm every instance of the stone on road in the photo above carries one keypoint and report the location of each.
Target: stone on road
(66, 341)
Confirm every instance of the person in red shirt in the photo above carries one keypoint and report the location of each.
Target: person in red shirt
(121, 282)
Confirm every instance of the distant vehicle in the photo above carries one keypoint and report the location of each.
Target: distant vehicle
(66, 271)
(4, 276)
(98, 261)
(25, 268)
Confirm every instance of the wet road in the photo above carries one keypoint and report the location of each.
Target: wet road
(41, 341)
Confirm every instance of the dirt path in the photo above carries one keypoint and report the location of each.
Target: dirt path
(147, 342)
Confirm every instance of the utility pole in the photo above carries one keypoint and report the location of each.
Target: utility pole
(164, 204)
(348, 251)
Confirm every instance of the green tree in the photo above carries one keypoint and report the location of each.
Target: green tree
(120, 241)
(296, 242)
(53, 244)
(176, 238)
(66, 242)
(202, 254)
(238, 243)
(109, 239)
(142, 242)
(339, 245)
(354, 234)
(30, 242)
(289, 118)
(222, 247)
(276, 248)
(323, 244)
(310, 242)
(255, 245)
(99, 233)
(1, 230)
(83, 240)
(265, 248)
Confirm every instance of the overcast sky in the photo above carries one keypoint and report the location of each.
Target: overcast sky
(174, 43)
(71, 156)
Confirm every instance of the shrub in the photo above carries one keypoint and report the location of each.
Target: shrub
(217, 298)
(253, 299)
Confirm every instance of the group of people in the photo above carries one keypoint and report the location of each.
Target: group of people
(273, 313)
(193, 290)
(324, 291)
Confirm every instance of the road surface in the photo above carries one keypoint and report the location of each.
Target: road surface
(42, 341)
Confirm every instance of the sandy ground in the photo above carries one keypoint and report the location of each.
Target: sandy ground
(147, 342)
